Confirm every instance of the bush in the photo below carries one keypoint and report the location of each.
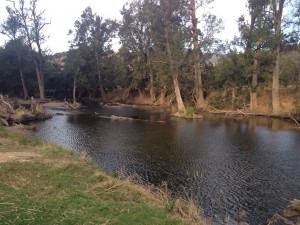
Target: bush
(189, 111)
(220, 102)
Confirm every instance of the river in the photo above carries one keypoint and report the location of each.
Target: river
(226, 164)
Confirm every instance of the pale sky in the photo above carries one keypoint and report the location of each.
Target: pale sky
(63, 13)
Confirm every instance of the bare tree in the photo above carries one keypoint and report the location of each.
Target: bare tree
(32, 25)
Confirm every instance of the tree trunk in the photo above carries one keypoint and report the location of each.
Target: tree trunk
(152, 92)
(33, 37)
(37, 27)
(25, 93)
(40, 75)
(162, 97)
(233, 97)
(100, 79)
(174, 71)
(277, 17)
(40, 79)
(275, 86)
(149, 63)
(199, 95)
(141, 93)
(180, 105)
(253, 91)
(74, 88)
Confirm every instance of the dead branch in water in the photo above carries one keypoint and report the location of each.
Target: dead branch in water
(239, 112)
(292, 210)
(113, 117)
(296, 122)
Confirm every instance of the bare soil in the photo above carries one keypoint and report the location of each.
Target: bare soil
(19, 130)
(18, 156)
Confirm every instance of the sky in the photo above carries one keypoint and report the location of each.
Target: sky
(63, 13)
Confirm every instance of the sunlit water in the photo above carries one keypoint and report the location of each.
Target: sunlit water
(227, 165)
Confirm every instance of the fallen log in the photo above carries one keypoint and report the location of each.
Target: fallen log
(293, 209)
(113, 117)
(296, 122)
(6, 111)
(71, 106)
(4, 114)
(284, 220)
(239, 112)
(8, 106)
(3, 122)
(192, 116)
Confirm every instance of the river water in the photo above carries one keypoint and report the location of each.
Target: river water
(226, 164)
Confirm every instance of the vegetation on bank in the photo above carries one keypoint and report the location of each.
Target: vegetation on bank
(44, 184)
(169, 55)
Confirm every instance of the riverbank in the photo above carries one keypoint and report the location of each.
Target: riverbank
(21, 111)
(44, 184)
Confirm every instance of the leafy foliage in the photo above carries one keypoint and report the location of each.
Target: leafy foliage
(162, 47)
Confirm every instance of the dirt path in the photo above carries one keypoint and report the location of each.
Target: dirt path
(18, 156)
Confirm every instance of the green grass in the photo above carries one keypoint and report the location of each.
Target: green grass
(43, 194)
(56, 188)
(189, 111)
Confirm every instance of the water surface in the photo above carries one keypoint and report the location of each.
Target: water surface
(227, 165)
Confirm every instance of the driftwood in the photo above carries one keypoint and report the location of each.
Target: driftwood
(292, 211)
(192, 116)
(239, 113)
(296, 122)
(3, 122)
(6, 111)
(234, 112)
(70, 106)
(123, 118)
(8, 115)
(113, 117)
(278, 217)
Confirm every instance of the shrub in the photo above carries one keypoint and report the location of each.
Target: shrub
(220, 102)
(189, 111)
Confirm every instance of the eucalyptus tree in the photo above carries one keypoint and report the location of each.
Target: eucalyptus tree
(93, 34)
(277, 7)
(296, 28)
(158, 51)
(32, 23)
(73, 63)
(12, 29)
(9, 77)
(175, 37)
(135, 36)
(10, 66)
(203, 40)
(256, 36)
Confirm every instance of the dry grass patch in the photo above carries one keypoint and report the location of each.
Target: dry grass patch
(18, 156)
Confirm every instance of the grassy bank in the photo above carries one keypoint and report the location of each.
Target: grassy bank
(43, 184)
